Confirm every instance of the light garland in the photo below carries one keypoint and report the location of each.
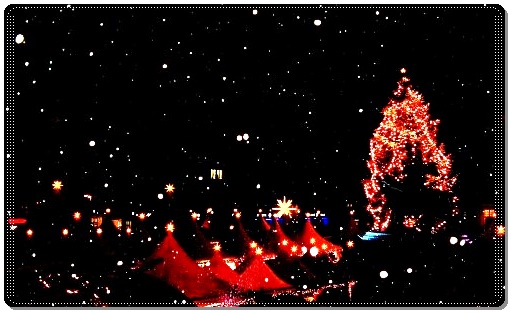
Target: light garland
(406, 123)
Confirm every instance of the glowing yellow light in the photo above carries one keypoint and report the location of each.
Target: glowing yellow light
(284, 242)
(313, 241)
(217, 247)
(65, 232)
(284, 207)
(294, 248)
(238, 215)
(324, 246)
(170, 227)
(253, 244)
(259, 251)
(141, 216)
(195, 215)
(403, 70)
(501, 230)
(107, 210)
(77, 216)
(30, 233)
(169, 188)
(99, 231)
(128, 231)
(57, 185)
(350, 244)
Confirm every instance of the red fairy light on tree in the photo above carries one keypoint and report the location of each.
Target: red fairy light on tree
(406, 128)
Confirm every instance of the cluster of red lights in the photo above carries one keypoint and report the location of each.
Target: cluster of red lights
(406, 127)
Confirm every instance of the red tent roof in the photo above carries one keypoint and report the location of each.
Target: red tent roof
(286, 245)
(183, 273)
(259, 276)
(311, 238)
(221, 270)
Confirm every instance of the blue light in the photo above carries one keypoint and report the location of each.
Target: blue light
(372, 235)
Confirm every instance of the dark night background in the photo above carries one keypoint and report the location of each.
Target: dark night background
(308, 96)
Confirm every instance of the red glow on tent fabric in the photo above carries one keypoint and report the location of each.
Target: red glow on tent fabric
(258, 276)
(311, 238)
(221, 270)
(287, 246)
(183, 273)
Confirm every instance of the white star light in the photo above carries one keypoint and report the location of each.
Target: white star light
(20, 39)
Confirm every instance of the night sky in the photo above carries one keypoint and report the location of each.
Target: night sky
(165, 92)
(117, 103)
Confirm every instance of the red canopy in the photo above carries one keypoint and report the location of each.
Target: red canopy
(310, 238)
(221, 270)
(284, 244)
(183, 273)
(259, 276)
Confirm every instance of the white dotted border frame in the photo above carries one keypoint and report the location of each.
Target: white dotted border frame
(499, 102)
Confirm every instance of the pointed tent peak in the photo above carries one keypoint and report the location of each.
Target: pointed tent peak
(266, 226)
(259, 276)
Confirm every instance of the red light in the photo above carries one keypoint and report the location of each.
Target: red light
(406, 128)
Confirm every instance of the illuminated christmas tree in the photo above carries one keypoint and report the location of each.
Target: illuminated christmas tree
(405, 137)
